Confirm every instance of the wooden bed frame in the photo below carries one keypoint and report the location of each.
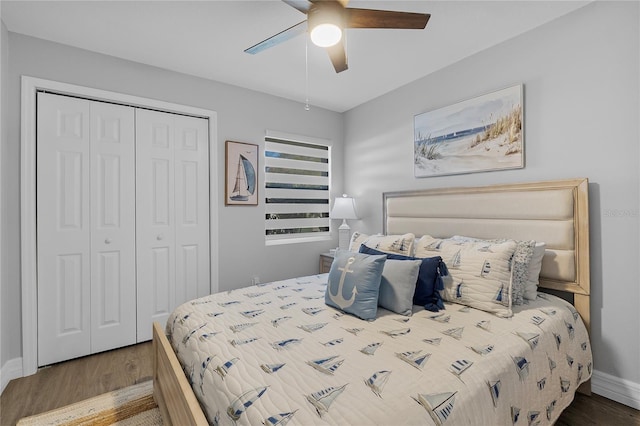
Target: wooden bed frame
(519, 211)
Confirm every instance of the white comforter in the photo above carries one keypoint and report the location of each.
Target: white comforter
(276, 353)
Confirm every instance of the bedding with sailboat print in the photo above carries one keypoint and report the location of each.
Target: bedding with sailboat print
(275, 354)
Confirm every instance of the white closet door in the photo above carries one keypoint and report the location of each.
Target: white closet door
(172, 214)
(63, 227)
(192, 208)
(113, 268)
(155, 219)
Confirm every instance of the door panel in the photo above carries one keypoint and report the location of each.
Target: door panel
(172, 214)
(113, 200)
(192, 208)
(63, 228)
(155, 219)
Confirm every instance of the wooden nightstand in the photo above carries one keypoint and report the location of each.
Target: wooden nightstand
(326, 259)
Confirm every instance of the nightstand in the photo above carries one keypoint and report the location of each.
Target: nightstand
(326, 259)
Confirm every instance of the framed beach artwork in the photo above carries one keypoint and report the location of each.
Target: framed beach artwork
(241, 178)
(476, 135)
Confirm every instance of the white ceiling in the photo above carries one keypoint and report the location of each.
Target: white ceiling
(207, 39)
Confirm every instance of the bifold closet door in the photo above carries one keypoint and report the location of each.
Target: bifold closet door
(172, 215)
(85, 227)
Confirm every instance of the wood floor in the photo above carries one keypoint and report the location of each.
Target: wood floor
(83, 378)
(75, 380)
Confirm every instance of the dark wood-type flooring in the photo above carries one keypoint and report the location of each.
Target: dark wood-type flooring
(83, 378)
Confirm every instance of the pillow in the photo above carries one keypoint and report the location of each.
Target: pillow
(480, 272)
(533, 276)
(401, 244)
(398, 284)
(356, 240)
(519, 264)
(354, 283)
(429, 278)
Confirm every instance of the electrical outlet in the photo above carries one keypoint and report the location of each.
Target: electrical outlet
(255, 280)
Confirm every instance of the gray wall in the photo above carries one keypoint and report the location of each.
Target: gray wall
(243, 115)
(580, 75)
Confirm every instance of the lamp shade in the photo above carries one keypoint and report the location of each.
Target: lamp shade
(344, 208)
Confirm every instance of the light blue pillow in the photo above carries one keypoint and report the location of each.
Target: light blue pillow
(354, 283)
(398, 284)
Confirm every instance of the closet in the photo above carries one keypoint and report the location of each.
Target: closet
(122, 222)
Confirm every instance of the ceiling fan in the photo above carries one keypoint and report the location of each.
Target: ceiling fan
(327, 20)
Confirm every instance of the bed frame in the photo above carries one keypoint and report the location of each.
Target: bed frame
(556, 212)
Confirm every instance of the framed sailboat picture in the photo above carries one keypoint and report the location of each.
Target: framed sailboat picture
(241, 179)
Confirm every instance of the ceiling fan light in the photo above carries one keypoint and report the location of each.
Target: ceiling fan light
(326, 35)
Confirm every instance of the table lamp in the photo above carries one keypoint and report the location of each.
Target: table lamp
(344, 208)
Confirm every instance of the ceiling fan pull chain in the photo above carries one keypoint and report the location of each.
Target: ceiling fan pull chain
(306, 75)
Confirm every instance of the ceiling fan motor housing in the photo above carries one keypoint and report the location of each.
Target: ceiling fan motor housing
(326, 13)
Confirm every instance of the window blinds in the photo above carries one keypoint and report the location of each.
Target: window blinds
(296, 188)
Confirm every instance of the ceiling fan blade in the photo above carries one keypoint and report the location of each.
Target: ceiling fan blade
(369, 18)
(302, 5)
(289, 33)
(338, 55)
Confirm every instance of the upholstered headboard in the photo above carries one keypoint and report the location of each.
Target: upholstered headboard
(555, 212)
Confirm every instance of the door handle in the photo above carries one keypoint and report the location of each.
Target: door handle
(160, 237)
(107, 241)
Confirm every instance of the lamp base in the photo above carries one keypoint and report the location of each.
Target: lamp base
(344, 235)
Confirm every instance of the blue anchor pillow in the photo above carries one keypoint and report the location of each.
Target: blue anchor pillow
(354, 283)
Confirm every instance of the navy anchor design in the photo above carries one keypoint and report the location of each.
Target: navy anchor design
(337, 298)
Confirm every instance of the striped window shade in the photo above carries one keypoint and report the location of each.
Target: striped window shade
(296, 188)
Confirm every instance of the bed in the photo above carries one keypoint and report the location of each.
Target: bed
(276, 353)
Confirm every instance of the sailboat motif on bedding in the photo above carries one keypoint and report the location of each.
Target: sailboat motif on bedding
(312, 311)
(282, 344)
(205, 365)
(244, 401)
(223, 369)
(310, 328)
(441, 317)
(276, 322)
(279, 419)
(186, 338)
(334, 342)
(414, 358)
(253, 313)
(323, 399)
(494, 389)
(371, 348)
(396, 333)
(456, 332)
(438, 405)
(326, 365)
(522, 366)
(271, 368)
(482, 349)
(239, 327)
(531, 338)
(377, 381)
(459, 366)
(239, 342)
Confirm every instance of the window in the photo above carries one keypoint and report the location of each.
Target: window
(296, 188)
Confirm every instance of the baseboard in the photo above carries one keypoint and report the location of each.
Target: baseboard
(620, 390)
(11, 369)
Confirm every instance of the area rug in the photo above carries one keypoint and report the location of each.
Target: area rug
(133, 405)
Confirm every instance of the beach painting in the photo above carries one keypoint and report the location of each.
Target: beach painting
(476, 135)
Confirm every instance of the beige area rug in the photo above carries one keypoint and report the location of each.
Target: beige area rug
(133, 405)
